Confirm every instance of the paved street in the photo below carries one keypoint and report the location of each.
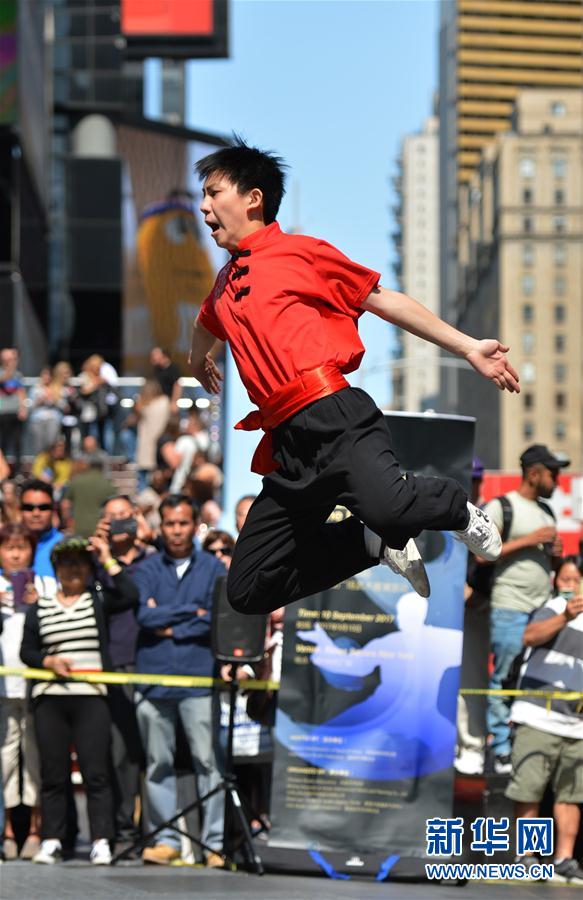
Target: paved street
(79, 881)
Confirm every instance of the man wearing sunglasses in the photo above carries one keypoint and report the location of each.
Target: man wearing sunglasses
(38, 507)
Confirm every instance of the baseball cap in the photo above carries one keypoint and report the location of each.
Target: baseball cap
(540, 453)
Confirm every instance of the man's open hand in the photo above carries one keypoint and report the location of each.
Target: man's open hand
(488, 358)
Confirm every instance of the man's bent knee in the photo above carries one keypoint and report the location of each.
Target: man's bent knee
(254, 596)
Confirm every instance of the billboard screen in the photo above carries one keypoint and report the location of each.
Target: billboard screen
(166, 17)
(174, 29)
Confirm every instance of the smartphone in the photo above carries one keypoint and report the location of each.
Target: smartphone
(123, 526)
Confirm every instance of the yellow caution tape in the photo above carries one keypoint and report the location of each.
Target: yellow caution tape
(549, 696)
(249, 684)
(188, 681)
(495, 692)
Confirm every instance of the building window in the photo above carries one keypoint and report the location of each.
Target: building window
(559, 197)
(527, 225)
(526, 167)
(528, 372)
(560, 285)
(560, 313)
(560, 372)
(527, 313)
(558, 108)
(560, 343)
(527, 282)
(559, 167)
(560, 400)
(527, 255)
(527, 195)
(527, 431)
(560, 254)
(528, 342)
(559, 224)
(528, 401)
(560, 431)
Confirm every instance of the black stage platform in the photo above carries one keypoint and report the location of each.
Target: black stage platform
(79, 881)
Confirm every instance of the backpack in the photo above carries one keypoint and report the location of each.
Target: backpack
(480, 576)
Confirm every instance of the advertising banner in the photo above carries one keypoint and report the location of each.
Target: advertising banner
(168, 265)
(365, 729)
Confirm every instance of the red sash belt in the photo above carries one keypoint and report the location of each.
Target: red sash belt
(284, 403)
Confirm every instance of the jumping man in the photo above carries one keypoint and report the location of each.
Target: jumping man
(289, 306)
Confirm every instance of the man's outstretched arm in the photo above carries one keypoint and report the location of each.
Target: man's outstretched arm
(201, 363)
(486, 356)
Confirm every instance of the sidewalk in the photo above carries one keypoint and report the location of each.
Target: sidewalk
(79, 881)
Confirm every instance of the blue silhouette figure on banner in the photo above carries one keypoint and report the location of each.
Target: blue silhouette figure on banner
(406, 728)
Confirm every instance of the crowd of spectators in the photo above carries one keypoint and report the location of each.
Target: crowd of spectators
(93, 579)
(127, 597)
(73, 426)
(59, 411)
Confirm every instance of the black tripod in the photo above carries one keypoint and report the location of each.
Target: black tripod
(233, 807)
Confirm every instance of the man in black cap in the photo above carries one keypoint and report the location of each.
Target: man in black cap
(522, 577)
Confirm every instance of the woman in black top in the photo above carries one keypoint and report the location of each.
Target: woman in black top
(68, 633)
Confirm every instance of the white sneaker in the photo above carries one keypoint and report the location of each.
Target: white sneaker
(470, 762)
(409, 564)
(481, 536)
(100, 853)
(48, 853)
(503, 764)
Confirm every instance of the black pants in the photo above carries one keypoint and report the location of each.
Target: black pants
(337, 450)
(83, 721)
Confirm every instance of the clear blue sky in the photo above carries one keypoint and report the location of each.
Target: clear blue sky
(332, 85)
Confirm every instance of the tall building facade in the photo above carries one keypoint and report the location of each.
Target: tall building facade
(521, 277)
(71, 81)
(490, 50)
(416, 239)
(24, 163)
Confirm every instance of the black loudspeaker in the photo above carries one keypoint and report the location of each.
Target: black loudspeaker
(235, 638)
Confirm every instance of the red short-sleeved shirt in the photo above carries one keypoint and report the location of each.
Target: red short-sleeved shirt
(301, 310)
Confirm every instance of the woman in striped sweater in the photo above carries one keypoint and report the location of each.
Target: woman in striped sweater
(68, 633)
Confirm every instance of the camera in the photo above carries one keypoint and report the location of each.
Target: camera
(123, 526)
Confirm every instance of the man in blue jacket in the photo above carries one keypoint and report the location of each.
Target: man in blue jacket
(176, 590)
